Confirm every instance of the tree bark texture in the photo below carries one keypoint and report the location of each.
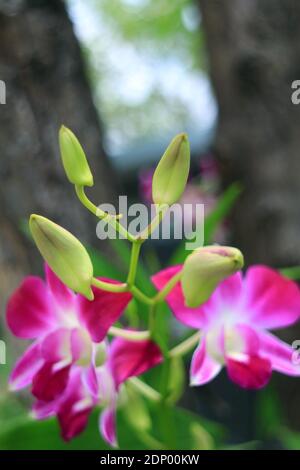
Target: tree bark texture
(254, 56)
(46, 86)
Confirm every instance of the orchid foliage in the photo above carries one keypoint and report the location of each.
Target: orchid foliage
(93, 338)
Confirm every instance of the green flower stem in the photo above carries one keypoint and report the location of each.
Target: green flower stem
(141, 296)
(167, 288)
(145, 389)
(135, 252)
(102, 215)
(129, 334)
(124, 287)
(186, 345)
(151, 320)
(161, 210)
(107, 286)
(137, 293)
(132, 335)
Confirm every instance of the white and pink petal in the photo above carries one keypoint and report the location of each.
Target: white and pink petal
(107, 425)
(280, 354)
(204, 368)
(26, 368)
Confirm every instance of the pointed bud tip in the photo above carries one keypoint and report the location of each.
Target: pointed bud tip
(74, 159)
(171, 174)
(184, 136)
(34, 218)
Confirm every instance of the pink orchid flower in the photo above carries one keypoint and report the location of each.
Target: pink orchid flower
(234, 322)
(64, 327)
(100, 385)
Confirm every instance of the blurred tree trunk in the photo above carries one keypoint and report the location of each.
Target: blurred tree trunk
(254, 54)
(41, 64)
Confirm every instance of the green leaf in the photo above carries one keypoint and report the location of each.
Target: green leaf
(161, 327)
(123, 251)
(188, 432)
(176, 380)
(290, 439)
(212, 221)
(28, 434)
(269, 413)
(139, 419)
(104, 267)
(203, 440)
(222, 209)
(292, 273)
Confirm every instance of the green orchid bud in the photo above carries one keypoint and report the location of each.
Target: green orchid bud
(171, 174)
(74, 159)
(205, 268)
(65, 255)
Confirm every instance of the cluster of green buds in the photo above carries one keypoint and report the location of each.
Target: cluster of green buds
(203, 269)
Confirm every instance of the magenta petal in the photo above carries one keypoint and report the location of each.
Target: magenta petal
(108, 426)
(61, 293)
(271, 300)
(279, 353)
(26, 367)
(48, 384)
(253, 372)
(203, 367)
(74, 409)
(192, 317)
(43, 410)
(131, 358)
(73, 424)
(29, 312)
(101, 313)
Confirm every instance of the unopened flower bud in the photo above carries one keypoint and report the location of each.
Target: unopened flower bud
(74, 159)
(205, 268)
(65, 255)
(171, 174)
